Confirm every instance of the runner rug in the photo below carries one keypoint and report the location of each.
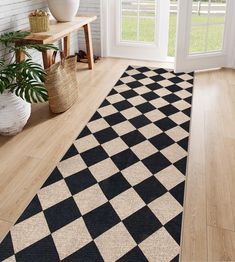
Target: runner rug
(117, 194)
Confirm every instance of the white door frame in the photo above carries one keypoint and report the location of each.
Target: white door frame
(186, 62)
(104, 27)
(106, 36)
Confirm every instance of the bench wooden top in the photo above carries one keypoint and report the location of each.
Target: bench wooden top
(58, 30)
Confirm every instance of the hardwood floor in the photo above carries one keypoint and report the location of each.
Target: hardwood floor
(27, 159)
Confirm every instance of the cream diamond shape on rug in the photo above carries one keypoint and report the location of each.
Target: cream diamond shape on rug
(160, 247)
(115, 243)
(165, 208)
(71, 237)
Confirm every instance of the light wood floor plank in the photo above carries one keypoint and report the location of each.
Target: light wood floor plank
(4, 228)
(194, 239)
(221, 244)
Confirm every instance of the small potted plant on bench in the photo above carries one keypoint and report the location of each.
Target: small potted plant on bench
(21, 83)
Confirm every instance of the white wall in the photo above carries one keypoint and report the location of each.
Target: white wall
(14, 16)
(91, 7)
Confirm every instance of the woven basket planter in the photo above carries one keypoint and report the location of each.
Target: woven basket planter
(14, 113)
(62, 84)
(39, 24)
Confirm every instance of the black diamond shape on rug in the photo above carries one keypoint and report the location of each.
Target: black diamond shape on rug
(154, 86)
(171, 98)
(150, 189)
(176, 259)
(168, 110)
(94, 155)
(85, 132)
(190, 89)
(32, 209)
(165, 124)
(43, 250)
(157, 78)
(139, 76)
(101, 219)
(105, 103)
(184, 143)
(119, 82)
(188, 100)
(186, 126)
(181, 165)
(174, 88)
(140, 121)
(115, 119)
(145, 107)
(161, 141)
(80, 181)
(61, 214)
(129, 94)
(124, 159)
(133, 138)
(129, 68)
(142, 224)
(120, 106)
(125, 74)
(178, 193)
(53, 178)
(112, 92)
(134, 84)
(70, 153)
(105, 135)
(156, 162)
(176, 80)
(143, 69)
(174, 227)
(150, 96)
(114, 185)
(95, 117)
(160, 71)
(6, 248)
(135, 255)
(88, 253)
(191, 81)
(187, 112)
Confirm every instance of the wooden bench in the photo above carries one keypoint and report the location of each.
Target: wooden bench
(58, 31)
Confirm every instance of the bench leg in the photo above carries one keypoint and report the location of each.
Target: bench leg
(20, 56)
(67, 45)
(89, 48)
(47, 58)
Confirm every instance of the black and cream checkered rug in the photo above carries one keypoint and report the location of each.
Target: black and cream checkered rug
(117, 194)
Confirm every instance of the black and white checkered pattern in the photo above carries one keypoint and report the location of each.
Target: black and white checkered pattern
(117, 194)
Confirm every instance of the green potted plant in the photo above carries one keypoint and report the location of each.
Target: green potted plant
(21, 83)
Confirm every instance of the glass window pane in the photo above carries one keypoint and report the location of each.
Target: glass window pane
(197, 39)
(127, 12)
(215, 37)
(129, 5)
(147, 7)
(129, 28)
(147, 30)
(217, 11)
(172, 32)
(200, 10)
(138, 20)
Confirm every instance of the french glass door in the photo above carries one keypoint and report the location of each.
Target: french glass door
(138, 29)
(203, 34)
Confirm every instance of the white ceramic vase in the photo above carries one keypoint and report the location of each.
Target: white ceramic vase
(14, 113)
(63, 10)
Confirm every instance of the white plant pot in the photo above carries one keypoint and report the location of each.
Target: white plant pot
(14, 113)
(63, 10)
